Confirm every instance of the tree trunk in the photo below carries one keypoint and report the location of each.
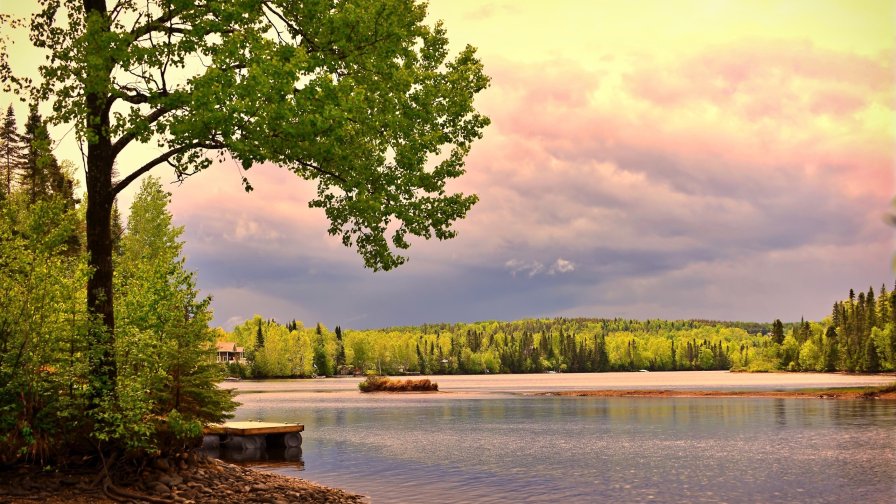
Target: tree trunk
(100, 197)
(99, 285)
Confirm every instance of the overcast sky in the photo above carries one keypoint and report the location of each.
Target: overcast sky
(707, 159)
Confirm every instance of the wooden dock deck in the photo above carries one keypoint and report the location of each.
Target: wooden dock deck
(254, 428)
(253, 437)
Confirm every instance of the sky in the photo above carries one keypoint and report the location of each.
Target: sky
(728, 160)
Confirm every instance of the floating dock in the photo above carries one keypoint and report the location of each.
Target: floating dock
(253, 428)
(253, 436)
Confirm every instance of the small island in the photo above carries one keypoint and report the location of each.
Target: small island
(384, 384)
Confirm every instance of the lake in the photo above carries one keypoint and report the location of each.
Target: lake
(485, 439)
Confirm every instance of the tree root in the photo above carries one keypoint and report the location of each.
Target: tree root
(122, 495)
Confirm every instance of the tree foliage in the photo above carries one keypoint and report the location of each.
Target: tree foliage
(166, 387)
(43, 324)
(592, 345)
(359, 96)
(165, 349)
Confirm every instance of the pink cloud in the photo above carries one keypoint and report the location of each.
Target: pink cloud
(720, 75)
(761, 106)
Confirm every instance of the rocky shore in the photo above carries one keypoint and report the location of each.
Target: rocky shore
(189, 478)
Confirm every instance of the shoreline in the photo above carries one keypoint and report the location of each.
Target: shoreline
(865, 393)
(203, 481)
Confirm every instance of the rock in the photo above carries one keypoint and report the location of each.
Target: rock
(157, 487)
(161, 464)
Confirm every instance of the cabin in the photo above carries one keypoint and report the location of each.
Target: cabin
(229, 352)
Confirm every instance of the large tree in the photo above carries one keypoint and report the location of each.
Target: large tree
(357, 95)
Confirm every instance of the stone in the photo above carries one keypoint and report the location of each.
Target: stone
(157, 487)
(161, 464)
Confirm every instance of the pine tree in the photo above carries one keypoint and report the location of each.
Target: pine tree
(40, 165)
(871, 360)
(831, 349)
(167, 381)
(778, 331)
(259, 337)
(340, 349)
(12, 153)
(870, 310)
(883, 306)
(805, 331)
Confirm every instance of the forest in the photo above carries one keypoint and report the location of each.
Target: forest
(858, 336)
(166, 373)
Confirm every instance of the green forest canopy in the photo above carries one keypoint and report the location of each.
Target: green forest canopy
(858, 336)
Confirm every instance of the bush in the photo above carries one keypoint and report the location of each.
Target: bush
(383, 384)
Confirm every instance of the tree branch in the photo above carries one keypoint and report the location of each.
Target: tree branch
(320, 170)
(128, 137)
(162, 159)
(157, 23)
(294, 28)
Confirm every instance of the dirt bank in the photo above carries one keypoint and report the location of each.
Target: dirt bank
(199, 480)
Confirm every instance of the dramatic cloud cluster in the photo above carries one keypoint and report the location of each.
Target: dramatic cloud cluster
(532, 268)
(736, 180)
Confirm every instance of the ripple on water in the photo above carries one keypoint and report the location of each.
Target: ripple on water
(540, 449)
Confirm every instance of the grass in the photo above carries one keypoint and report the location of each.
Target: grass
(383, 384)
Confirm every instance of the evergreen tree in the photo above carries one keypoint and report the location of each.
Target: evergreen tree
(805, 331)
(259, 336)
(870, 310)
(830, 350)
(883, 306)
(778, 331)
(167, 381)
(40, 168)
(12, 153)
(340, 349)
(871, 360)
(421, 361)
(893, 306)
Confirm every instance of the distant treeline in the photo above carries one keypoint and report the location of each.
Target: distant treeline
(858, 336)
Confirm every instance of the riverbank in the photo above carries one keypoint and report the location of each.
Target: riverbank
(886, 393)
(201, 480)
(254, 394)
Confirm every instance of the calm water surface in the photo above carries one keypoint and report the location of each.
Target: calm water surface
(487, 445)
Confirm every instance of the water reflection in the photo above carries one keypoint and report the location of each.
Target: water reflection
(282, 457)
(541, 449)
